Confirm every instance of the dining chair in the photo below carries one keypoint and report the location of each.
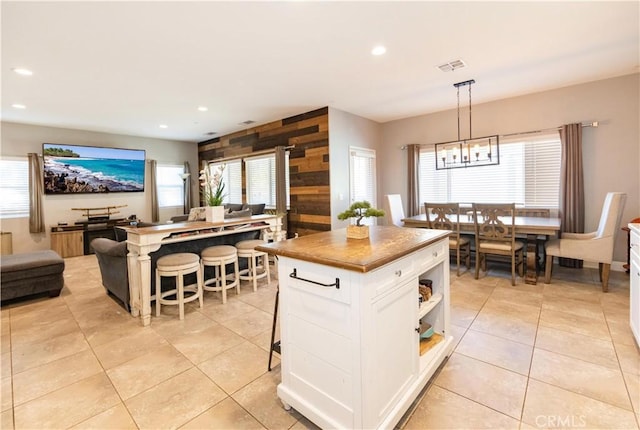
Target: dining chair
(495, 234)
(393, 203)
(596, 246)
(445, 216)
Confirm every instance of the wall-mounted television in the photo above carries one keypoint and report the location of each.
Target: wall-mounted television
(70, 169)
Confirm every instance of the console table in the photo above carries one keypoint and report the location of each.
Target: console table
(74, 240)
(143, 240)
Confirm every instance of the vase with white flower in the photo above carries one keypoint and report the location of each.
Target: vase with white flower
(212, 189)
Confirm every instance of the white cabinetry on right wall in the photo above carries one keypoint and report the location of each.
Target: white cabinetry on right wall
(634, 311)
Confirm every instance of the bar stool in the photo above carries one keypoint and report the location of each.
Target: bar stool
(177, 265)
(246, 249)
(218, 257)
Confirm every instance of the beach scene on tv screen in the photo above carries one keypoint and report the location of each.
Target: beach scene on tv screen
(88, 169)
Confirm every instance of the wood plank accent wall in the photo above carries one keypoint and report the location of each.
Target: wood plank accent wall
(310, 209)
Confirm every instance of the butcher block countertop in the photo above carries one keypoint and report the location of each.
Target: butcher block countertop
(332, 248)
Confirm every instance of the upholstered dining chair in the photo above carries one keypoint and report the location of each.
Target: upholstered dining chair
(596, 246)
(445, 216)
(495, 234)
(393, 203)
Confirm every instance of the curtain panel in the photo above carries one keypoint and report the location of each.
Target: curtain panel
(36, 190)
(153, 175)
(571, 185)
(413, 168)
(281, 184)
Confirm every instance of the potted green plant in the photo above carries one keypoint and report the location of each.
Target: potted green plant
(213, 193)
(359, 211)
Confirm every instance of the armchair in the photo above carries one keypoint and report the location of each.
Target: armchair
(596, 246)
(112, 259)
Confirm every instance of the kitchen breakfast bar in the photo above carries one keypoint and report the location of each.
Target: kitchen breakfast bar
(356, 351)
(142, 241)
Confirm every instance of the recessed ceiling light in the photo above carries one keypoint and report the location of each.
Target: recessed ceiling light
(164, 126)
(18, 106)
(203, 108)
(22, 71)
(378, 50)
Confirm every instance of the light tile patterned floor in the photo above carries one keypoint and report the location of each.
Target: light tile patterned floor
(545, 356)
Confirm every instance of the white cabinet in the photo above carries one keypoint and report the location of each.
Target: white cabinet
(351, 355)
(635, 281)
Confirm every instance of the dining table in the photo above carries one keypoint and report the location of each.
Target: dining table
(527, 226)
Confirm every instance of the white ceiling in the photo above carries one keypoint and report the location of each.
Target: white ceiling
(127, 67)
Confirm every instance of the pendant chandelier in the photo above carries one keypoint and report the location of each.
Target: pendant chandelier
(481, 151)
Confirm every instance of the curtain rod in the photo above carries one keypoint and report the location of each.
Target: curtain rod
(253, 154)
(593, 124)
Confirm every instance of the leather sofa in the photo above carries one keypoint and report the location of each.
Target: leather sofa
(232, 210)
(112, 259)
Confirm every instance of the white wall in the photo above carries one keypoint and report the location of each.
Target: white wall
(610, 152)
(20, 139)
(345, 130)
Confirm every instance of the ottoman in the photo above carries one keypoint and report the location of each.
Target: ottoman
(31, 273)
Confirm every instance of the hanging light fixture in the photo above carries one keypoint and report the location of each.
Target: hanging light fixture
(481, 151)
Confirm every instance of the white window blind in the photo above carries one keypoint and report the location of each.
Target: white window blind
(232, 180)
(261, 179)
(528, 175)
(362, 177)
(14, 187)
(170, 185)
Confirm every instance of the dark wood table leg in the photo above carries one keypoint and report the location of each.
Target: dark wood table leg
(531, 277)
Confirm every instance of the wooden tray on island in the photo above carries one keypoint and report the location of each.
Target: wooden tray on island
(427, 344)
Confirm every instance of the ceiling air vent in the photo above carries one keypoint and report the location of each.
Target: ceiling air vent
(247, 122)
(452, 65)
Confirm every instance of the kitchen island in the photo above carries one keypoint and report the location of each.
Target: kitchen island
(351, 319)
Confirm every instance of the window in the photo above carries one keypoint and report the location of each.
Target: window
(261, 179)
(14, 187)
(362, 177)
(528, 174)
(362, 167)
(170, 185)
(232, 180)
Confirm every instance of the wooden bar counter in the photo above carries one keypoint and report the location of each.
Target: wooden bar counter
(332, 248)
(143, 240)
(353, 328)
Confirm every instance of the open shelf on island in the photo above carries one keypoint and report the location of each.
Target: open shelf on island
(427, 344)
(426, 307)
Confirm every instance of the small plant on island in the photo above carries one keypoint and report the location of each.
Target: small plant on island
(360, 210)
